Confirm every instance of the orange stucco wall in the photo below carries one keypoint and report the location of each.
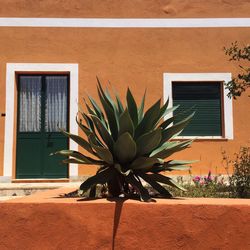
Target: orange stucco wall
(46, 221)
(135, 57)
(124, 9)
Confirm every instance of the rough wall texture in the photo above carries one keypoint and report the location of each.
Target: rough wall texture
(134, 57)
(128, 8)
(42, 222)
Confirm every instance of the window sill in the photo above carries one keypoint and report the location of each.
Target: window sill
(201, 138)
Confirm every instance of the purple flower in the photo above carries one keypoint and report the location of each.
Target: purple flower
(197, 179)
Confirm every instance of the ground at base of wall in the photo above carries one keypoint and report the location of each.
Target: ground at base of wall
(196, 186)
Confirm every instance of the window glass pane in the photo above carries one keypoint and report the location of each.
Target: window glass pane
(205, 99)
(56, 103)
(30, 103)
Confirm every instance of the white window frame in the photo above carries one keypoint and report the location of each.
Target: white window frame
(11, 70)
(227, 103)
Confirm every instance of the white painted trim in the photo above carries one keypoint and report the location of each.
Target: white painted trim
(201, 137)
(216, 77)
(11, 69)
(125, 22)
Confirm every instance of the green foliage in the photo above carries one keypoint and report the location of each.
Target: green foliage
(239, 181)
(128, 144)
(240, 83)
(212, 190)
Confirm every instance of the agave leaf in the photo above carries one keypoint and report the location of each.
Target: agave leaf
(97, 109)
(119, 168)
(115, 108)
(100, 88)
(163, 109)
(170, 120)
(148, 142)
(167, 122)
(141, 108)
(145, 162)
(79, 140)
(144, 195)
(89, 132)
(119, 104)
(92, 192)
(166, 167)
(170, 110)
(107, 138)
(175, 129)
(178, 167)
(178, 162)
(100, 178)
(132, 107)
(112, 102)
(107, 94)
(175, 147)
(155, 185)
(102, 152)
(110, 114)
(90, 110)
(74, 161)
(88, 121)
(186, 111)
(125, 148)
(165, 145)
(166, 180)
(78, 161)
(109, 107)
(126, 124)
(85, 129)
(78, 156)
(149, 120)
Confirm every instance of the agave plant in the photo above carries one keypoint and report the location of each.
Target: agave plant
(129, 145)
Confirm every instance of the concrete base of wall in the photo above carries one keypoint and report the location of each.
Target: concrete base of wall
(46, 221)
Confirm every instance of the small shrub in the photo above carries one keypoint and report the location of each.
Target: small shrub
(205, 186)
(239, 180)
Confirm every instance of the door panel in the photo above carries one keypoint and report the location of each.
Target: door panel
(52, 164)
(42, 110)
(29, 158)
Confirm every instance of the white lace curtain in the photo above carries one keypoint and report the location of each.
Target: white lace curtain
(30, 88)
(56, 103)
(30, 103)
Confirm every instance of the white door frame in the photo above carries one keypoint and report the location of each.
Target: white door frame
(11, 70)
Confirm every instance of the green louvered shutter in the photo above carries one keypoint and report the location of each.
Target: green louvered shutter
(205, 99)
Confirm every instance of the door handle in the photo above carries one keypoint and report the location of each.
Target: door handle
(49, 142)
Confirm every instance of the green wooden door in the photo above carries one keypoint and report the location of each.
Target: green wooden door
(42, 110)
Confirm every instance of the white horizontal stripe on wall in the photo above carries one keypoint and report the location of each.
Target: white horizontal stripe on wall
(126, 22)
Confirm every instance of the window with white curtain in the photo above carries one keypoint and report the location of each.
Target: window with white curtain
(56, 103)
(30, 88)
(43, 103)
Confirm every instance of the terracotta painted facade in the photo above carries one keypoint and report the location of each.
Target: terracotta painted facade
(134, 57)
(190, 223)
